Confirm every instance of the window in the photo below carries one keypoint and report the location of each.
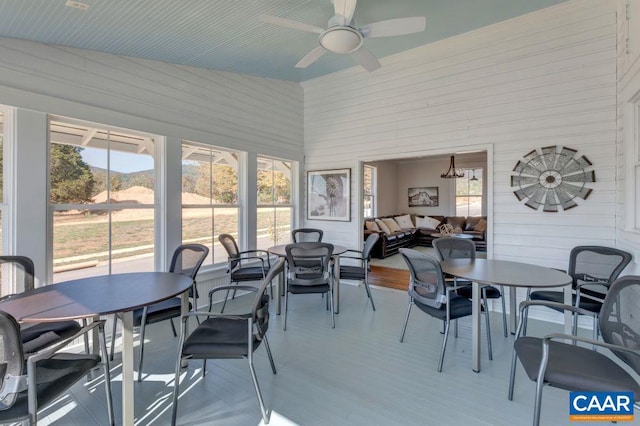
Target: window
(275, 209)
(369, 190)
(101, 198)
(209, 197)
(469, 193)
(7, 284)
(634, 164)
(3, 206)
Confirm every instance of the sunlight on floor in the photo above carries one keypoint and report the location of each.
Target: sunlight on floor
(277, 419)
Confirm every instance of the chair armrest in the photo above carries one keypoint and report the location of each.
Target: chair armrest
(554, 336)
(353, 251)
(244, 317)
(48, 352)
(232, 287)
(249, 258)
(264, 254)
(605, 284)
(554, 305)
(352, 257)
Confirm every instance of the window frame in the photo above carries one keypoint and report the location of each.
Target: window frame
(274, 204)
(374, 190)
(469, 171)
(158, 161)
(213, 206)
(632, 150)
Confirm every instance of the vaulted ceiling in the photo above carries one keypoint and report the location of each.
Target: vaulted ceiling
(229, 35)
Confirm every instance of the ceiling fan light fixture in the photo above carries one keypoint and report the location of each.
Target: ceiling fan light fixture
(341, 40)
(452, 173)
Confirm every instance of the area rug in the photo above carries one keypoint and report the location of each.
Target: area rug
(396, 261)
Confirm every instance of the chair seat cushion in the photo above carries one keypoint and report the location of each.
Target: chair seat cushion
(575, 368)
(492, 292)
(558, 296)
(44, 334)
(308, 289)
(219, 338)
(351, 273)
(160, 311)
(459, 307)
(252, 273)
(54, 376)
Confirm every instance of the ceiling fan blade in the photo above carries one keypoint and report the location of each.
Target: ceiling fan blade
(394, 27)
(366, 59)
(311, 57)
(345, 8)
(288, 23)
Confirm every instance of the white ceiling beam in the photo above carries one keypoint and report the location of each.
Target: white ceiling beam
(146, 145)
(88, 136)
(187, 152)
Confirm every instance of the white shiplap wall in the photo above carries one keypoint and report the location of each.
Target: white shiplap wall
(547, 78)
(231, 110)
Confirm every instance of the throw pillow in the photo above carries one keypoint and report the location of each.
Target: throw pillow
(456, 221)
(481, 226)
(404, 221)
(391, 224)
(371, 226)
(427, 223)
(384, 228)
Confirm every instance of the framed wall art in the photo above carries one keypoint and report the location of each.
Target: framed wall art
(423, 196)
(328, 195)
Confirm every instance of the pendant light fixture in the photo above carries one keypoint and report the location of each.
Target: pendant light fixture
(452, 173)
(474, 175)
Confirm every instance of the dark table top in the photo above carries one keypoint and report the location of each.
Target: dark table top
(101, 295)
(280, 250)
(504, 272)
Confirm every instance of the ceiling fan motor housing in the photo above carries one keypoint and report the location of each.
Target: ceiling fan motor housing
(339, 39)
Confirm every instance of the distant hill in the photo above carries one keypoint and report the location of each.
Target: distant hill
(144, 178)
(121, 181)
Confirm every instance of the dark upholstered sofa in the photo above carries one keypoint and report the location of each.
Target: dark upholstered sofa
(416, 230)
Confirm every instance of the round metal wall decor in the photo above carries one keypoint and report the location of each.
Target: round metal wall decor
(553, 178)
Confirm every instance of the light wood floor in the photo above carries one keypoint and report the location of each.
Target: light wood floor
(389, 277)
(356, 374)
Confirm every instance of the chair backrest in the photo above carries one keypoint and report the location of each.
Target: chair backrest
(619, 318)
(427, 282)
(11, 360)
(187, 260)
(261, 304)
(229, 244)
(310, 235)
(598, 265)
(454, 248)
(371, 241)
(25, 267)
(309, 262)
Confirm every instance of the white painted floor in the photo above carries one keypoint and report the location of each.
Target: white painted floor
(356, 374)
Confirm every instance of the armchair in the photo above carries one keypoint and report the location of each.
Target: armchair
(49, 373)
(221, 336)
(241, 265)
(577, 368)
(360, 272)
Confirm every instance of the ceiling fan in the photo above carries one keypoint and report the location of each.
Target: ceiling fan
(341, 36)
